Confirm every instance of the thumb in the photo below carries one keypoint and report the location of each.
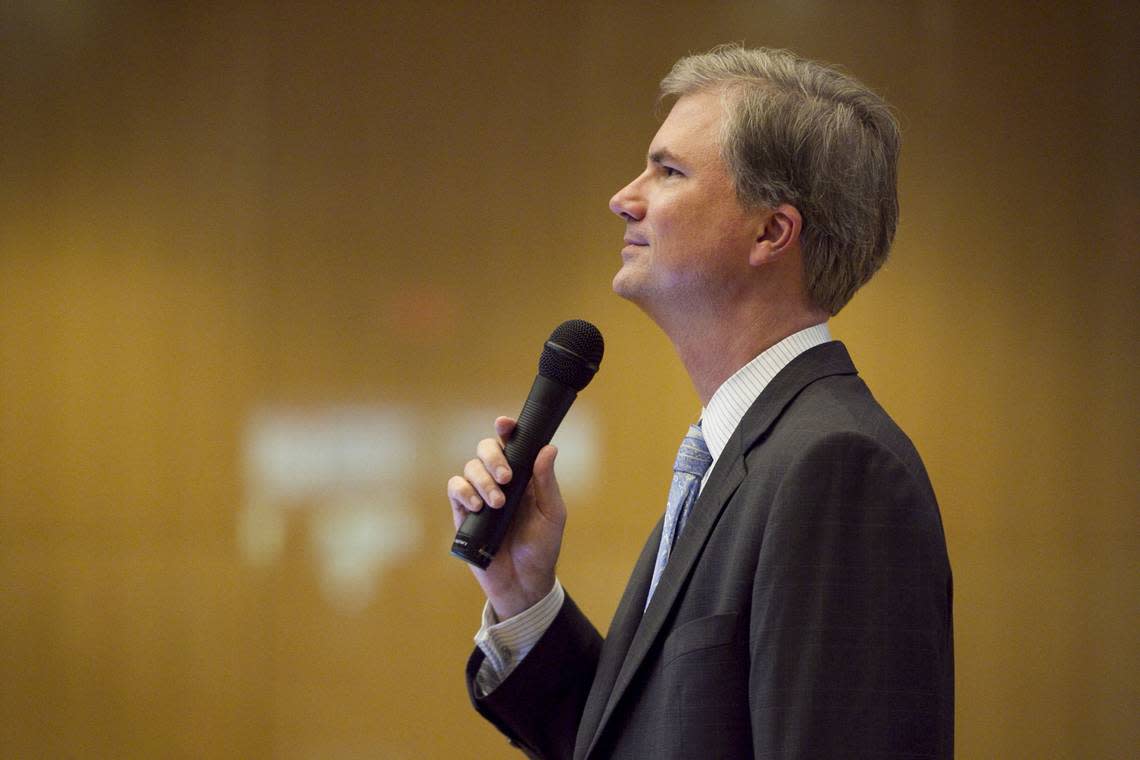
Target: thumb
(547, 492)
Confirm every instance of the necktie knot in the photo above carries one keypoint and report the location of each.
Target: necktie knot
(693, 458)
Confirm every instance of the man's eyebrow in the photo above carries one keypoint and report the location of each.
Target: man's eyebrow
(661, 155)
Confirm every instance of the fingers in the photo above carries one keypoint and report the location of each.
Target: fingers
(490, 453)
(485, 486)
(483, 476)
(546, 484)
(463, 499)
(504, 427)
(544, 467)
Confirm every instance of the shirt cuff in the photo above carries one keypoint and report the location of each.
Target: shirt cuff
(505, 644)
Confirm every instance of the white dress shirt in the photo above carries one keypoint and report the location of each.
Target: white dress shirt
(505, 643)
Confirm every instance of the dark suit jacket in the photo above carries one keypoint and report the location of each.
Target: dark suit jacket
(805, 611)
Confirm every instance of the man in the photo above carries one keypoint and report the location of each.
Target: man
(800, 607)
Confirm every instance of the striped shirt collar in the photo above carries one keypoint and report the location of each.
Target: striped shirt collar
(734, 397)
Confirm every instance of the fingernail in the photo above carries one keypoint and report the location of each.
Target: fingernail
(502, 474)
(497, 499)
(474, 502)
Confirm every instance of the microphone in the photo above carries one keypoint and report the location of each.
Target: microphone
(568, 362)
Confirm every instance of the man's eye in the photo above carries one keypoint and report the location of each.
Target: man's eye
(670, 171)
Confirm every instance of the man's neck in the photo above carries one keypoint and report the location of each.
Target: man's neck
(712, 351)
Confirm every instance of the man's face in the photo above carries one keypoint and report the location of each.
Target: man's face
(687, 236)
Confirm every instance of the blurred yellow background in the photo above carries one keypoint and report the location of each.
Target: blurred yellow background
(267, 270)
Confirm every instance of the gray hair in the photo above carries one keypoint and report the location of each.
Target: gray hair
(807, 134)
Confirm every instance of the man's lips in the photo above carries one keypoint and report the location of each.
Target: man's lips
(627, 254)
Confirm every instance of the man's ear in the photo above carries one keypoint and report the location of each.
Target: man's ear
(779, 233)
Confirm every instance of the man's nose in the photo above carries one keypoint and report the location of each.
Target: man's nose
(628, 202)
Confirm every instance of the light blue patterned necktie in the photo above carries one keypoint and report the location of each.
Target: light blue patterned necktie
(693, 460)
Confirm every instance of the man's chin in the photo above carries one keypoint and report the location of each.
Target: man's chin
(623, 285)
(634, 292)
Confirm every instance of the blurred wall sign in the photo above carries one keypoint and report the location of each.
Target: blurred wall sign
(352, 474)
(346, 470)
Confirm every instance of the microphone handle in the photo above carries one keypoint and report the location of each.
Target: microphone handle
(482, 532)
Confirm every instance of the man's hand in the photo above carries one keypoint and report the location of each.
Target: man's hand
(522, 572)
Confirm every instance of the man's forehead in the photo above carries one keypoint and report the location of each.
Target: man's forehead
(692, 125)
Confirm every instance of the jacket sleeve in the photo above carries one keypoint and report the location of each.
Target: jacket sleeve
(540, 703)
(851, 634)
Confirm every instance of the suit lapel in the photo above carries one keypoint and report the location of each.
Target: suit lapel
(618, 638)
(631, 633)
(638, 631)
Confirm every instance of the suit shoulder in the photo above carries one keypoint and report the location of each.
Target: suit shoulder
(844, 407)
(832, 417)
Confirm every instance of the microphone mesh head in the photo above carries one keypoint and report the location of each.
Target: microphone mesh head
(572, 354)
